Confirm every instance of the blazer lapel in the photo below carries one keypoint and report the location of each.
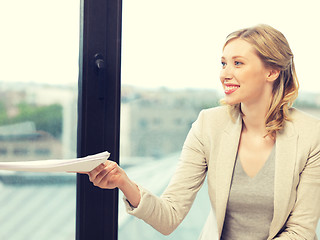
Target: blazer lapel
(286, 153)
(286, 146)
(225, 165)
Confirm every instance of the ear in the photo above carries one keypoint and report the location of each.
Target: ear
(273, 75)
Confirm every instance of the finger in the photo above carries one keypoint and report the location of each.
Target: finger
(109, 167)
(107, 180)
(93, 174)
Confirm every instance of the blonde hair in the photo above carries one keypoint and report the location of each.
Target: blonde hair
(273, 49)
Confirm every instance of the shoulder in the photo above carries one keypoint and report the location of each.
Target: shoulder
(215, 115)
(305, 124)
(214, 119)
(215, 112)
(303, 120)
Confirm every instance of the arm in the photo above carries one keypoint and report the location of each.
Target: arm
(163, 213)
(303, 219)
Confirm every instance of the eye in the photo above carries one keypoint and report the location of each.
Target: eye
(223, 64)
(237, 63)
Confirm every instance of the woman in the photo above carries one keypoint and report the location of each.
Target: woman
(261, 157)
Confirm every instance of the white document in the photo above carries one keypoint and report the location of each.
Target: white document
(85, 164)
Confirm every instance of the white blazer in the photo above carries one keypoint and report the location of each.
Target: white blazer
(210, 149)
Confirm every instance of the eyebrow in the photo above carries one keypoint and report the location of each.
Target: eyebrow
(234, 57)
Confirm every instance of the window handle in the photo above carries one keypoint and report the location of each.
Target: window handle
(100, 70)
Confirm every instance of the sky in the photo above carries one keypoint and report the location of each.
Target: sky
(179, 43)
(165, 43)
(39, 41)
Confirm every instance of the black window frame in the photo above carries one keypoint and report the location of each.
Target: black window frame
(98, 113)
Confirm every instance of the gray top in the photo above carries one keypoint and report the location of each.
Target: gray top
(250, 205)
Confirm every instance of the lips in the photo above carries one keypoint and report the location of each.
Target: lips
(230, 88)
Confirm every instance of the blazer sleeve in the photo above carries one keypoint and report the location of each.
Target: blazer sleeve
(166, 212)
(304, 217)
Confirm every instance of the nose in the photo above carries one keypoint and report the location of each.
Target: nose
(226, 73)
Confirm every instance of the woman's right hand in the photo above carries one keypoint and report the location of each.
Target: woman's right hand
(110, 175)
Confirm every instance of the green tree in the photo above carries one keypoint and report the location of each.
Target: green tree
(46, 118)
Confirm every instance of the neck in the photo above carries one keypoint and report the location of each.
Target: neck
(254, 118)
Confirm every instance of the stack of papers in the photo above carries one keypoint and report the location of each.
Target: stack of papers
(85, 164)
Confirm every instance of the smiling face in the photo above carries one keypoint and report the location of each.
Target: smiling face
(244, 77)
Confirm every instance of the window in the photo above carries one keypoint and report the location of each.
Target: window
(171, 54)
(20, 151)
(38, 115)
(170, 67)
(42, 151)
(39, 109)
(3, 151)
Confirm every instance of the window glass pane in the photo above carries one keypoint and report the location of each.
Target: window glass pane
(38, 115)
(171, 54)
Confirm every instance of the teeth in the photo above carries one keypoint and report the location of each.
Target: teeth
(231, 87)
